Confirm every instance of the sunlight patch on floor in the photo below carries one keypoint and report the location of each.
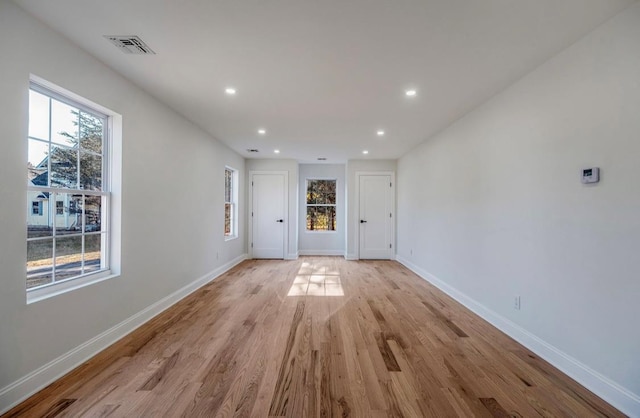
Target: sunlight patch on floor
(316, 280)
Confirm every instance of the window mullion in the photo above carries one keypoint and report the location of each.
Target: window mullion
(53, 245)
(49, 144)
(65, 190)
(90, 207)
(106, 156)
(84, 217)
(78, 181)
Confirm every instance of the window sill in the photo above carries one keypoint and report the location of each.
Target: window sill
(231, 238)
(320, 232)
(46, 292)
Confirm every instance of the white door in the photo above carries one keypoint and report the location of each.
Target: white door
(376, 216)
(268, 192)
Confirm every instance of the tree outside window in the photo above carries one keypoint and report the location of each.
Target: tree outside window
(65, 173)
(321, 205)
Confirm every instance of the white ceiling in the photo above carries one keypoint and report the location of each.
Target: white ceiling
(323, 76)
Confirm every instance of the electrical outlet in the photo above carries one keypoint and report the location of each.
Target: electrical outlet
(217, 255)
(411, 251)
(516, 303)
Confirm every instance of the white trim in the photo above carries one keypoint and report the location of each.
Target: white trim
(60, 190)
(64, 95)
(351, 257)
(618, 396)
(356, 207)
(58, 288)
(320, 252)
(26, 386)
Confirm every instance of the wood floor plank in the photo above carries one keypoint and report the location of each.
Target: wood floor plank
(316, 337)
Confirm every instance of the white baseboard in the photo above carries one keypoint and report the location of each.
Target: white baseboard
(320, 252)
(291, 256)
(354, 257)
(26, 386)
(618, 396)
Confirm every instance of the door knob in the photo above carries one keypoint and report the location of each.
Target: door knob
(280, 220)
(362, 221)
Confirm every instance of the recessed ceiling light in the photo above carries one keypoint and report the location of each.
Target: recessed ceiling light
(365, 152)
(277, 151)
(230, 91)
(262, 131)
(411, 93)
(380, 133)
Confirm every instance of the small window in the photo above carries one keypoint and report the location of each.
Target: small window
(67, 171)
(230, 203)
(36, 208)
(321, 205)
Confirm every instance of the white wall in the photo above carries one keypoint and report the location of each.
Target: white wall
(493, 207)
(354, 166)
(322, 243)
(172, 205)
(291, 167)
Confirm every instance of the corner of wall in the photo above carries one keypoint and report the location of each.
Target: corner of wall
(618, 396)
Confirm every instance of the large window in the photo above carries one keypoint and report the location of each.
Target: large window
(321, 205)
(68, 192)
(230, 203)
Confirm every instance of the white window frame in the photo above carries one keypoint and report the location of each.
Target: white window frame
(306, 205)
(111, 180)
(234, 203)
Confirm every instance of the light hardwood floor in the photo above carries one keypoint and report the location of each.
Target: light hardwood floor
(316, 337)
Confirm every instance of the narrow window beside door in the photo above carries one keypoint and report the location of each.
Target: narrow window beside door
(230, 203)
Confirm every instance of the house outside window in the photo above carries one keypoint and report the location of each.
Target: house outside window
(230, 203)
(321, 205)
(67, 172)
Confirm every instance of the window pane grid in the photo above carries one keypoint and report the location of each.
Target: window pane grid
(67, 235)
(66, 238)
(321, 205)
(229, 202)
(67, 190)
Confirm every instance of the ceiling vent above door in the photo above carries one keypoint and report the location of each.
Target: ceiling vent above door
(130, 44)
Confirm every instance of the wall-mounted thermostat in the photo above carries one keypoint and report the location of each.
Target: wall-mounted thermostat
(591, 175)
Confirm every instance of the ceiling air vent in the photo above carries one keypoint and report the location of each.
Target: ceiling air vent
(322, 159)
(130, 44)
(252, 150)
